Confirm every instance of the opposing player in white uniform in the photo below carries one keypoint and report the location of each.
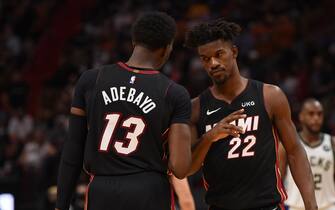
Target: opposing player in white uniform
(320, 151)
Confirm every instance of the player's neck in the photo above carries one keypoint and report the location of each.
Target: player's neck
(309, 137)
(231, 88)
(143, 58)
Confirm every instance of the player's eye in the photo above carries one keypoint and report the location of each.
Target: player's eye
(219, 54)
(205, 59)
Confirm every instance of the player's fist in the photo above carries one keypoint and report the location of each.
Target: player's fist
(223, 128)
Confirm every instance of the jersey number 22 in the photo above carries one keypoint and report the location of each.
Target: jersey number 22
(246, 152)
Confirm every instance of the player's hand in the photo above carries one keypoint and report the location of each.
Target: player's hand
(223, 128)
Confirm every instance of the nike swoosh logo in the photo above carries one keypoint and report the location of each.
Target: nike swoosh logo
(211, 112)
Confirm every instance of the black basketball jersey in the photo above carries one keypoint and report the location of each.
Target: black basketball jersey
(128, 113)
(241, 173)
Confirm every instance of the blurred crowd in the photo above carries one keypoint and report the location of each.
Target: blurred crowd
(46, 44)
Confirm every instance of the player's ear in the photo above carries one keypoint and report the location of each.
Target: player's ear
(161, 52)
(235, 51)
(165, 51)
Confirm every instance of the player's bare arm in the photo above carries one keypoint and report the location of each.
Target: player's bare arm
(184, 194)
(279, 111)
(221, 130)
(282, 159)
(179, 134)
(78, 111)
(72, 157)
(180, 149)
(333, 141)
(333, 145)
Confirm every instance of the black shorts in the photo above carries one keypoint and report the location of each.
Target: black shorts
(141, 191)
(272, 207)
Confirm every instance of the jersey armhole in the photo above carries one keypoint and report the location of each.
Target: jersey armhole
(94, 90)
(98, 75)
(260, 90)
(262, 100)
(168, 88)
(202, 98)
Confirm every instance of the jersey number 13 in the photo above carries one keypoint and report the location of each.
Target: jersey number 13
(135, 127)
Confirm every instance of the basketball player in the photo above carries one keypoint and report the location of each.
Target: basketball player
(241, 172)
(119, 117)
(320, 151)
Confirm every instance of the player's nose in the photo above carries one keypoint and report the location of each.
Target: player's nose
(214, 63)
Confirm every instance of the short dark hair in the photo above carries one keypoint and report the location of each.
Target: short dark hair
(154, 30)
(206, 32)
(307, 101)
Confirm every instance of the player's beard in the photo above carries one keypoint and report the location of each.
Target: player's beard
(220, 81)
(314, 131)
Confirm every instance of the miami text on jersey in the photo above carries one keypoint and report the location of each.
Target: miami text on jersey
(248, 124)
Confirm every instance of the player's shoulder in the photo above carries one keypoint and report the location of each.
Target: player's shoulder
(275, 100)
(89, 74)
(176, 89)
(273, 93)
(92, 74)
(272, 89)
(108, 67)
(87, 78)
(195, 102)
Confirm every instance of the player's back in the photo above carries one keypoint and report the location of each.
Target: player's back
(128, 113)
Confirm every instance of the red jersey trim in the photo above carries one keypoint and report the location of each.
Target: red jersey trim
(124, 66)
(279, 183)
(86, 193)
(206, 185)
(172, 207)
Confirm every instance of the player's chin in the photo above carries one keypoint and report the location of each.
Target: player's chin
(219, 80)
(315, 129)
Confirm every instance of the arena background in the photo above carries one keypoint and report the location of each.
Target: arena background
(46, 44)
